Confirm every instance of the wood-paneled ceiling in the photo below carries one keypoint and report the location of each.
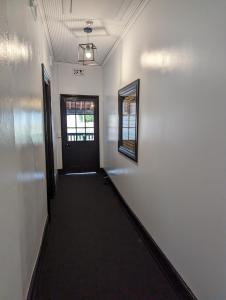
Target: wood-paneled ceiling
(66, 19)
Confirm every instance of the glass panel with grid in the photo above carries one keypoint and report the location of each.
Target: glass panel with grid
(129, 123)
(80, 121)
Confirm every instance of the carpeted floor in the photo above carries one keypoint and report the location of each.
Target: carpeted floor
(92, 251)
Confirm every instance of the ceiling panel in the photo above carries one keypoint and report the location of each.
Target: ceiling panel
(66, 20)
(100, 8)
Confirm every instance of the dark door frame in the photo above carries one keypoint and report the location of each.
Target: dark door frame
(62, 96)
(49, 154)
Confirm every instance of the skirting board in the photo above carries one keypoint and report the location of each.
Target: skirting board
(170, 272)
(34, 278)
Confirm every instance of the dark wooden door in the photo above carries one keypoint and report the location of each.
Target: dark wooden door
(80, 133)
(50, 178)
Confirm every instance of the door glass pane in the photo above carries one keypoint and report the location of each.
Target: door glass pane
(71, 137)
(81, 134)
(80, 121)
(89, 137)
(89, 130)
(81, 137)
(89, 107)
(71, 130)
(89, 120)
(68, 105)
(73, 104)
(80, 107)
(81, 130)
(70, 121)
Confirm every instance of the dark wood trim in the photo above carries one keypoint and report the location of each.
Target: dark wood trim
(47, 111)
(96, 97)
(79, 96)
(36, 271)
(166, 266)
(60, 172)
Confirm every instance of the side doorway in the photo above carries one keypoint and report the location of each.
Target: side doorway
(50, 178)
(80, 133)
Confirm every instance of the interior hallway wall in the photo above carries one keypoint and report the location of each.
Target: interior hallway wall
(65, 82)
(177, 189)
(23, 212)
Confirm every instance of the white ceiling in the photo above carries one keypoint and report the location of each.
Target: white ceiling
(65, 25)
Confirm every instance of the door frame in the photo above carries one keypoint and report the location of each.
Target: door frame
(62, 96)
(47, 123)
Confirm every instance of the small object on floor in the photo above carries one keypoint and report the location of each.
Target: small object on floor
(106, 180)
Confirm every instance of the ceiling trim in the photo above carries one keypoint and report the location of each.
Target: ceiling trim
(126, 29)
(46, 29)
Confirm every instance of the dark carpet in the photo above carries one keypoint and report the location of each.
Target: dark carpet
(92, 251)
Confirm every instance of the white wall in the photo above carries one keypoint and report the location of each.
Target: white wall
(65, 82)
(23, 212)
(178, 188)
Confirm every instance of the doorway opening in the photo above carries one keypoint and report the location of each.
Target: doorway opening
(50, 178)
(80, 133)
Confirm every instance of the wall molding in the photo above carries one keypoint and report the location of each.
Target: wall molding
(133, 18)
(45, 26)
(173, 277)
(35, 274)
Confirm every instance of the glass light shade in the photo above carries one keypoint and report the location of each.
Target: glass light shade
(86, 53)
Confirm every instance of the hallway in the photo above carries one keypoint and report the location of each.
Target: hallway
(92, 250)
(133, 88)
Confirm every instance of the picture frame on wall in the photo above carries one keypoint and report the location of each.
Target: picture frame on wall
(128, 107)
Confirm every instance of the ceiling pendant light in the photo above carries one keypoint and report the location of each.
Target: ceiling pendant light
(86, 52)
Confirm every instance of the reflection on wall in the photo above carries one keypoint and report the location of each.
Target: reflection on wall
(30, 176)
(14, 50)
(28, 118)
(23, 211)
(112, 127)
(168, 60)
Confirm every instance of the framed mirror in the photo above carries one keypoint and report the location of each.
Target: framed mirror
(128, 105)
